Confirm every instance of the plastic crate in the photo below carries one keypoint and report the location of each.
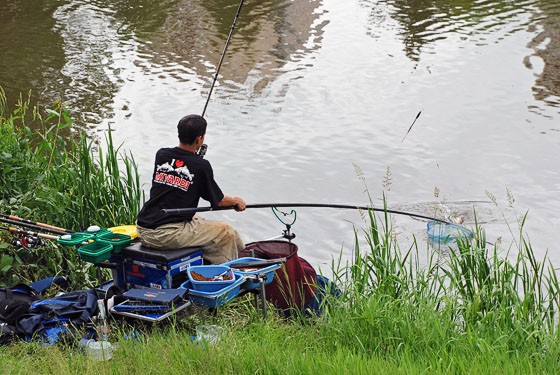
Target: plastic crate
(252, 276)
(95, 252)
(217, 298)
(118, 240)
(73, 239)
(210, 272)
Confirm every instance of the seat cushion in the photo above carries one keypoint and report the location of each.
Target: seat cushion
(137, 250)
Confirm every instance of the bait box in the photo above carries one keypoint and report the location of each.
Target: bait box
(209, 272)
(95, 252)
(118, 240)
(252, 277)
(217, 298)
(73, 239)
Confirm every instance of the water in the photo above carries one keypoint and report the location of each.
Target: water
(314, 101)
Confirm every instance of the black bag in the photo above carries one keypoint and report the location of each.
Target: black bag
(14, 303)
(75, 308)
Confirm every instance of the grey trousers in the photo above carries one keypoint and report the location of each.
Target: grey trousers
(221, 241)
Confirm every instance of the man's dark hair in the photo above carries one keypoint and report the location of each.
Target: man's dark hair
(190, 127)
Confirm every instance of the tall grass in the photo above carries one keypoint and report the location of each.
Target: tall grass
(52, 172)
(465, 300)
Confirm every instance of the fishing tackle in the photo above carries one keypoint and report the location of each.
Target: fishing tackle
(185, 211)
(202, 150)
(26, 241)
(204, 147)
(223, 55)
(14, 220)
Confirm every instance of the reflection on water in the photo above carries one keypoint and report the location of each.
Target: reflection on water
(268, 35)
(421, 24)
(547, 46)
(31, 54)
(81, 51)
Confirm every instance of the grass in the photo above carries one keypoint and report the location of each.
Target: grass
(51, 172)
(470, 311)
(471, 308)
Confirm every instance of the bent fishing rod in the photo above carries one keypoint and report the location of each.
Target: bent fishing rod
(186, 211)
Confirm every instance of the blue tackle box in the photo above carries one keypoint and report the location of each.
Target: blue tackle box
(144, 267)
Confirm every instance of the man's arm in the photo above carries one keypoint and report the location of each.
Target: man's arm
(238, 202)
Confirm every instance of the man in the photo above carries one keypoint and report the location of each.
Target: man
(181, 177)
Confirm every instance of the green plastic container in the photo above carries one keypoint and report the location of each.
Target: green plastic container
(118, 240)
(73, 239)
(95, 252)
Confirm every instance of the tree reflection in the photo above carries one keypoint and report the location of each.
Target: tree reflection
(547, 46)
(420, 24)
(80, 51)
(32, 55)
(269, 35)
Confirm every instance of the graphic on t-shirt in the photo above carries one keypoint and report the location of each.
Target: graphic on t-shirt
(174, 174)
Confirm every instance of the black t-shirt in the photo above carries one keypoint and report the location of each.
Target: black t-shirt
(180, 179)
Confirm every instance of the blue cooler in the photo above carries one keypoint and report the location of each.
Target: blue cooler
(144, 267)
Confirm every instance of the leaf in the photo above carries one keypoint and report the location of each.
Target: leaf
(53, 113)
(6, 262)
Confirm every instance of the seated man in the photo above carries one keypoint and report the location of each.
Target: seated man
(181, 177)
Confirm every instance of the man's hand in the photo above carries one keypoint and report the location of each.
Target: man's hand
(238, 203)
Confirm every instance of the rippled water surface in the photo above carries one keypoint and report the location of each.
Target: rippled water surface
(314, 100)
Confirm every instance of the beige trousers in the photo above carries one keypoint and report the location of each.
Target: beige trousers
(220, 240)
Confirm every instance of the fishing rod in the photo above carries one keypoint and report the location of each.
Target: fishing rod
(27, 221)
(223, 55)
(36, 226)
(185, 211)
(29, 233)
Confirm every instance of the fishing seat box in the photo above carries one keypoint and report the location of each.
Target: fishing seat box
(144, 267)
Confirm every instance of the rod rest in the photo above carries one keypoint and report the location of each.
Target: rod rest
(138, 250)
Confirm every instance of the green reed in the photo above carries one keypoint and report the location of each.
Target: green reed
(466, 297)
(52, 172)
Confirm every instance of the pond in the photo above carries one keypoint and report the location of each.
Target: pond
(438, 105)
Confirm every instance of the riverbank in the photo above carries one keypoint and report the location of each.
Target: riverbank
(470, 309)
